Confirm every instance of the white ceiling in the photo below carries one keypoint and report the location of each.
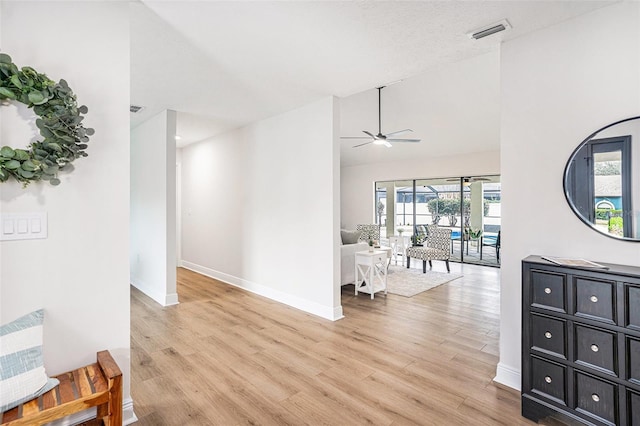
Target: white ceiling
(224, 64)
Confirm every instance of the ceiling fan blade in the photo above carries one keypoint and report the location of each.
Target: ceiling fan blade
(370, 134)
(362, 144)
(355, 137)
(404, 140)
(398, 132)
(387, 144)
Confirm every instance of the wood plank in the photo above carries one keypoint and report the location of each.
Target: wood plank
(225, 356)
(11, 415)
(30, 408)
(82, 382)
(67, 388)
(49, 399)
(96, 378)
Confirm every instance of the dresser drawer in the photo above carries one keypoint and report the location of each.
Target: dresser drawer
(548, 335)
(632, 301)
(596, 398)
(548, 379)
(633, 360)
(633, 402)
(548, 290)
(596, 348)
(595, 299)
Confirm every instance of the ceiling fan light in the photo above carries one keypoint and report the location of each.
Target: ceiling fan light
(379, 142)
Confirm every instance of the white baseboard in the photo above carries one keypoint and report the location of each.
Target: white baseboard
(128, 416)
(171, 299)
(161, 298)
(328, 312)
(508, 376)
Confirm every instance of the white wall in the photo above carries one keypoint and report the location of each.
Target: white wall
(357, 182)
(559, 85)
(153, 208)
(238, 193)
(79, 274)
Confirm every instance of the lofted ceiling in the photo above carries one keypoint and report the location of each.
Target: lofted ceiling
(224, 64)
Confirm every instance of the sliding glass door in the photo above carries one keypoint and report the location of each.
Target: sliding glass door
(469, 206)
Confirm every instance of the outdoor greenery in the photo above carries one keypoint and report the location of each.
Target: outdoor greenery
(616, 226)
(439, 207)
(605, 214)
(607, 168)
(64, 138)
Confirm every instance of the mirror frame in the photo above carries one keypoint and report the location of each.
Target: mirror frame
(566, 179)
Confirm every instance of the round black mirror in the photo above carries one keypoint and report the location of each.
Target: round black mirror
(602, 180)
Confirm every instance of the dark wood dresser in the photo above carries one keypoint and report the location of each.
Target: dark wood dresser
(580, 343)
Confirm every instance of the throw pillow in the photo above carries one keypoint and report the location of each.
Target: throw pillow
(22, 375)
(349, 237)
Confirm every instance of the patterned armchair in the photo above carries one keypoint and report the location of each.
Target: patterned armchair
(436, 247)
(369, 232)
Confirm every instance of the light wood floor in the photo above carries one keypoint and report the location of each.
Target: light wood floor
(224, 356)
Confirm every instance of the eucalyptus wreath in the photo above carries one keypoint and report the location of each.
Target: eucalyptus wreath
(59, 122)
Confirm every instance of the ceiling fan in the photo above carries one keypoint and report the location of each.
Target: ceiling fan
(381, 139)
(466, 181)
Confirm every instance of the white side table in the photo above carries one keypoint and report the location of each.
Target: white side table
(371, 268)
(399, 244)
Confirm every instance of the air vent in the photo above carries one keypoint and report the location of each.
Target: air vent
(135, 108)
(489, 30)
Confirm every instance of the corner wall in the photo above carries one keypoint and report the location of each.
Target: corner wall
(558, 86)
(79, 274)
(153, 208)
(260, 208)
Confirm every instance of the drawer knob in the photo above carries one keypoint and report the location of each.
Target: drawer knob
(547, 290)
(595, 348)
(548, 335)
(595, 397)
(594, 299)
(547, 379)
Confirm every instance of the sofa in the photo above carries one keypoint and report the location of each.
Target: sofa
(348, 261)
(352, 242)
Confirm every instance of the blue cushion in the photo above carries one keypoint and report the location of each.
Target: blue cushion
(22, 374)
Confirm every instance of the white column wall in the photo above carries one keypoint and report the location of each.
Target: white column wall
(153, 208)
(79, 274)
(559, 85)
(260, 208)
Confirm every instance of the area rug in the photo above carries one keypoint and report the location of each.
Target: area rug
(408, 282)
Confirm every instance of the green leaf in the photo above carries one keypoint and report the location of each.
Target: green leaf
(83, 109)
(46, 132)
(90, 131)
(7, 152)
(12, 165)
(54, 181)
(54, 146)
(36, 98)
(4, 92)
(5, 59)
(15, 79)
(26, 173)
(67, 138)
(21, 155)
(29, 165)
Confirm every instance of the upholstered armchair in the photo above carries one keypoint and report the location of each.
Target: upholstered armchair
(436, 247)
(369, 232)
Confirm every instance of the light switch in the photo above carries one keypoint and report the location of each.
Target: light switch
(23, 226)
(7, 226)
